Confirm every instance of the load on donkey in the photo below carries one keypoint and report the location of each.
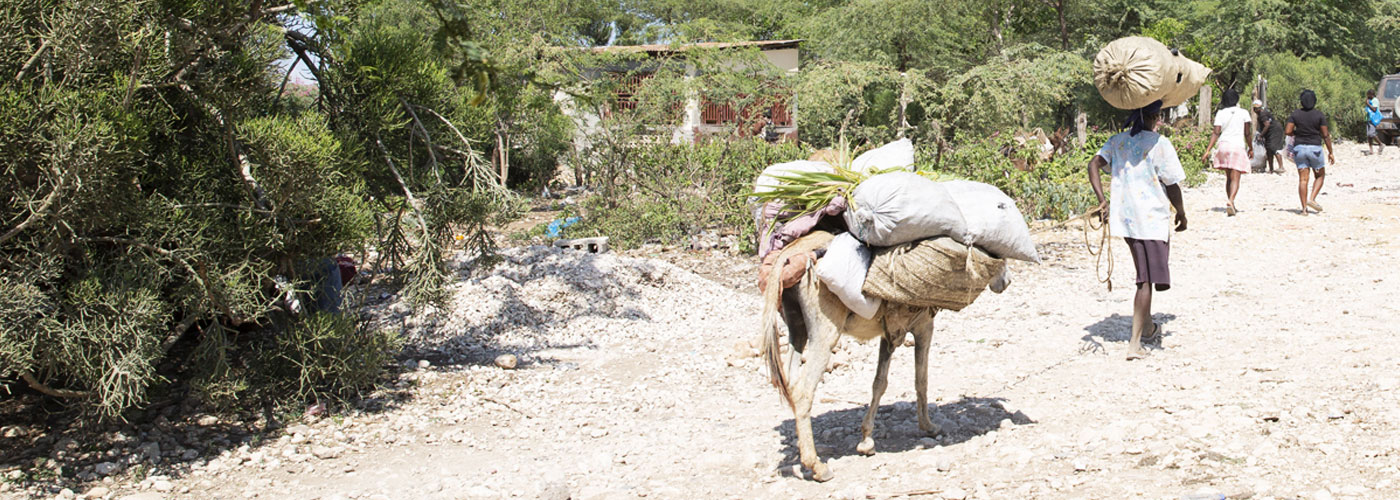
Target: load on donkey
(870, 249)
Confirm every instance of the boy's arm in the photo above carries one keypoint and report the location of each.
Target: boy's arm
(1174, 195)
(1096, 165)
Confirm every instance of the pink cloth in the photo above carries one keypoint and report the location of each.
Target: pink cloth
(773, 235)
(1232, 159)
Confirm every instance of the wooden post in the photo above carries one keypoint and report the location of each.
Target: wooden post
(1204, 119)
(1081, 134)
(1263, 90)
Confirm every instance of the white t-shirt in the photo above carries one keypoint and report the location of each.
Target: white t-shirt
(1231, 122)
(1138, 207)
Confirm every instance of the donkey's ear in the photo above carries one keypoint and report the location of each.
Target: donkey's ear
(1002, 281)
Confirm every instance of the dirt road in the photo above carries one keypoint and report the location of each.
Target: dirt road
(1279, 377)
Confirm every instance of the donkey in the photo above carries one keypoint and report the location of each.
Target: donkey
(816, 319)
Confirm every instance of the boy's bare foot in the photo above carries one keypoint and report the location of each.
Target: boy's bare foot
(1313, 205)
(1135, 353)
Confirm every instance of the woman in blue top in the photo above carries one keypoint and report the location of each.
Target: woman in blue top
(1373, 118)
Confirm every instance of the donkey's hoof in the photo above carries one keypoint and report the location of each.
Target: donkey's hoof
(822, 473)
(866, 446)
(930, 428)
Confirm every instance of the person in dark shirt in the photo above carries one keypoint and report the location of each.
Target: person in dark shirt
(1372, 106)
(1271, 134)
(1308, 127)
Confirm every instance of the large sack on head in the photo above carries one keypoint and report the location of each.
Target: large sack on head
(993, 221)
(897, 154)
(935, 272)
(1183, 81)
(1131, 72)
(843, 270)
(900, 207)
(769, 178)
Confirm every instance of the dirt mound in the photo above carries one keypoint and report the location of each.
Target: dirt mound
(542, 297)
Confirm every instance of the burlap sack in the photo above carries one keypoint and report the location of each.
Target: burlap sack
(935, 272)
(1184, 81)
(1130, 72)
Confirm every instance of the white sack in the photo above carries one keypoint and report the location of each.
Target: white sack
(897, 154)
(843, 270)
(992, 220)
(900, 207)
(769, 178)
(1256, 162)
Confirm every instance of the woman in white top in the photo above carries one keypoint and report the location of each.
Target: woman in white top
(1233, 131)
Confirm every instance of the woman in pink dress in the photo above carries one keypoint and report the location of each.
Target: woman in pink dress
(1233, 132)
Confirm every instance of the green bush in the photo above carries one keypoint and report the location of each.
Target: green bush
(1025, 86)
(671, 191)
(1340, 90)
(325, 356)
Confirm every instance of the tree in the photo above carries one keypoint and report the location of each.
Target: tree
(901, 34)
(150, 194)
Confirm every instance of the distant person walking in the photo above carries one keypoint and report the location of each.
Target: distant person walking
(1373, 118)
(1272, 134)
(1234, 135)
(1308, 127)
(1146, 173)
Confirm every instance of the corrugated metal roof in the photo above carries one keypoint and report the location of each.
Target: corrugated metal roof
(762, 45)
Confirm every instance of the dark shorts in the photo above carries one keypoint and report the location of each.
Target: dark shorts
(1370, 130)
(1150, 259)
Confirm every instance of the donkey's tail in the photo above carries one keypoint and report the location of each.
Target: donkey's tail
(772, 298)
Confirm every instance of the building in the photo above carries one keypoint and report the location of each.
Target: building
(700, 117)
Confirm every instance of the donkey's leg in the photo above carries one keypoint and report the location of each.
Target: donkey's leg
(823, 334)
(797, 330)
(882, 378)
(819, 351)
(923, 335)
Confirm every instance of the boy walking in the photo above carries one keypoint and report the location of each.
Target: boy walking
(1373, 118)
(1146, 173)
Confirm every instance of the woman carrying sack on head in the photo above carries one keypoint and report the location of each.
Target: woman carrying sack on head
(1146, 187)
(1233, 134)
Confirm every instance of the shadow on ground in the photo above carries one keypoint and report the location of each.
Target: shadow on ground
(522, 320)
(1119, 328)
(896, 428)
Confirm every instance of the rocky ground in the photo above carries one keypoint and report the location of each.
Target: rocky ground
(635, 377)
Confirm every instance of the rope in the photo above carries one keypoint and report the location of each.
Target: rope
(1092, 223)
(1104, 250)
